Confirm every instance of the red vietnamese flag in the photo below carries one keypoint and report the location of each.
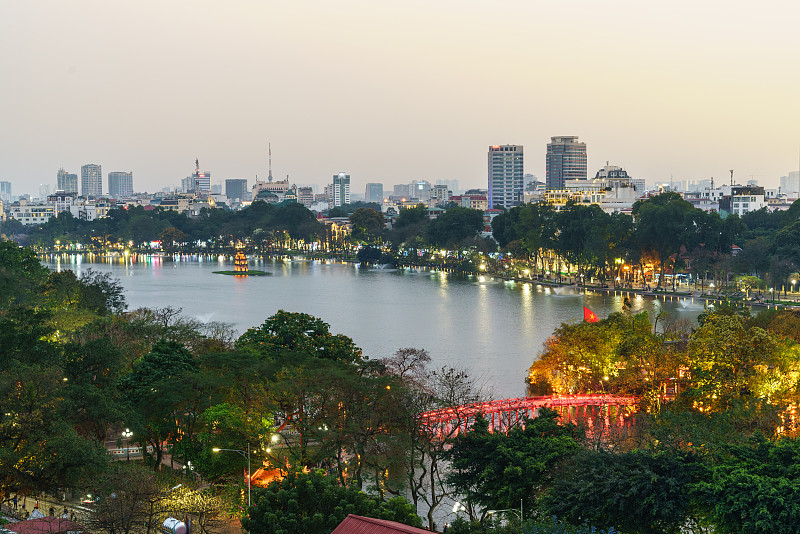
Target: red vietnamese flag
(589, 316)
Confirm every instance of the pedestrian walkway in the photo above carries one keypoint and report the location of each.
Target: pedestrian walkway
(26, 505)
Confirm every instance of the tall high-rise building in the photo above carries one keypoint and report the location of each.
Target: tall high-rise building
(566, 160)
(452, 185)
(201, 180)
(66, 182)
(401, 190)
(506, 182)
(91, 180)
(5, 191)
(374, 193)
(421, 189)
(340, 192)
(120, 184)
(790, 185)
(236, 188)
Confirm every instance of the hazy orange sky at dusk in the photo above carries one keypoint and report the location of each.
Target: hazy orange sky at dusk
(394, 91)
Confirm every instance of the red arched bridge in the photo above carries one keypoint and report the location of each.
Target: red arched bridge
(608, 410)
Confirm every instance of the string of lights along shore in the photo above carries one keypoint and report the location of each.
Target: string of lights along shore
(508, 185)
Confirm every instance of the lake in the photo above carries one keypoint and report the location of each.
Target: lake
(492, 328)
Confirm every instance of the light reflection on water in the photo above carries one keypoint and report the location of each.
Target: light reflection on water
(493, 328)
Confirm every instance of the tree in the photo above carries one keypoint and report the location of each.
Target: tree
(20, 274)
(583, 238)
(129, 500)
(287, 335)
(313, 503)
(454, 226)
(610, 355)
(424, 449)
(91, 398)
(754, 488)
(497, 470)
(533, 226)
(154, 393)
(367, 255)
(660, 226)
(40, 448)
(731, 361)
(204, 506)
(637, 492)
(534, 526)
(102, 293)
(172, 238)
(367, 224)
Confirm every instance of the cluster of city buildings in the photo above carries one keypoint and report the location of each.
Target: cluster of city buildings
(567, 179)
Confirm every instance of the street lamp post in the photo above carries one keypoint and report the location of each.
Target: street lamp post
(518, 513)
(127, 435)
(515, 512)
(244, 454)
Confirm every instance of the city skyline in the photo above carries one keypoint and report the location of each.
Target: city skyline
(394, 93)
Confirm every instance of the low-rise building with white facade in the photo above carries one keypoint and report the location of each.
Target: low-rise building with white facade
(743, 199)
(91, 210)
(30, 214)
(611, 189)
(62, 200)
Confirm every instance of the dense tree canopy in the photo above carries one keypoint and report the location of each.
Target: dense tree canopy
(287, 335)
(313, 503)
(499, 470)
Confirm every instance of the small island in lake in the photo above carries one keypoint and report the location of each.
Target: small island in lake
(240, 267)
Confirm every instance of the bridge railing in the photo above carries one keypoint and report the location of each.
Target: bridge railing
(615, 410)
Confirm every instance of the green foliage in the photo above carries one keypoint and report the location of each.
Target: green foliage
(730, 360)
(620, 354)
(367, 224)
(91, 397)
(636, 492)
(40, 444)
(293, 335)
(367, 255)
(411, 216)
(102, 293)
(313, 503)
(554, 526)
(454, 226)
(20, 274)
(498, 471)
(661, 226)
(157, 391)
(756, 488)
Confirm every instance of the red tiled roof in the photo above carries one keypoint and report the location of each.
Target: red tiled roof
(355, 524)
(44, 525)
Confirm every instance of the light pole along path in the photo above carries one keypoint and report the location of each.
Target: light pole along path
(244, 454)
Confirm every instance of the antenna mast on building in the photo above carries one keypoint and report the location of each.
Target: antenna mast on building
(196, 175)
(731, 177)
(270, 162)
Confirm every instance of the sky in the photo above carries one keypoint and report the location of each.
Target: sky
(393, 91)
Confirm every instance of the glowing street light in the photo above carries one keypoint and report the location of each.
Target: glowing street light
(127, 435)
(458, 507)
(518, 513)
(244, 454)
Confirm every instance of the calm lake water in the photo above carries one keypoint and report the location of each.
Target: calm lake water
(492, 328)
